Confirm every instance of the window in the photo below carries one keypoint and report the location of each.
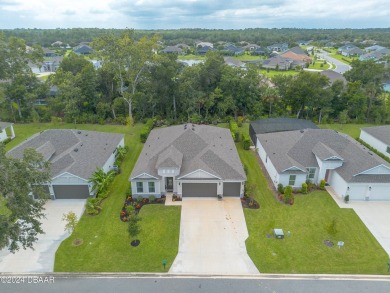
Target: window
(388, 150)
(291, 180)
(140, 187)
(151, 187)
(311, 172)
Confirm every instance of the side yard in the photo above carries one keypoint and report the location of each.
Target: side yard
(105, 240)
(308, 220)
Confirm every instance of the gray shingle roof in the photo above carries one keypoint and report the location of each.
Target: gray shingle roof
(206, 147)
(4, 125)
(74, 151)
(381, 133)
(333, 76)
(323, 152)
(286, 148)
(170, 158)
(281, 124)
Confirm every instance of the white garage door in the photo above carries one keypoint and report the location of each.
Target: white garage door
(380, 192)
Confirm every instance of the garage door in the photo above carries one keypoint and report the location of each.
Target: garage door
(231, 189)
(70, 191)
(380, 192)
(199, 189)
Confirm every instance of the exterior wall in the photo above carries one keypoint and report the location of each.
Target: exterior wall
(69, 179)
(3, 135)
(111, 160)
(326, 165)
(268, 164)
(374, 142)
(300, 178)
(338, 184)
(146, 193)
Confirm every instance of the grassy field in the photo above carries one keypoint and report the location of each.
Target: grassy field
(106, 244)
(307, 219)
(352, 130)
(341, 58)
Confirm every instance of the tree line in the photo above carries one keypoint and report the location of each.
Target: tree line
(135, 83)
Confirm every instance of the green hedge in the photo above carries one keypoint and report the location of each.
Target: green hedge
(246, 142)
(146, 130)
(234, 130)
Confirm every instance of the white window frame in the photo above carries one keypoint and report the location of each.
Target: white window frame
(292, 180)
(140, 186)
(154, 186)
(311, 171)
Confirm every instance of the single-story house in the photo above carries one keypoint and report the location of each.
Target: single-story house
(4, 127)
(297, 54)
(278, 47)
(172, 50)
(74, 156)
(277, 125)
(333, 76)
(292, 157)
(234, 62)
(83, 49)
(190, 161)
(378, 137)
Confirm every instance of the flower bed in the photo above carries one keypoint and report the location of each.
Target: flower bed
(132, 205)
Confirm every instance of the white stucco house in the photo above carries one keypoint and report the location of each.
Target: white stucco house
(292, 157)
(190, 161)
(74, 156)
(4, 127)
(378, 137)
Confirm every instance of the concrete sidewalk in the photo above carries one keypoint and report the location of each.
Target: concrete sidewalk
(41, 259)
(212, 238)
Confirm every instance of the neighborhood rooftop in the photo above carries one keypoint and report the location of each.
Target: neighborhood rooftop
(4, 125)
(79, 152)
(299, 149)
(380, 132)
(190, 147)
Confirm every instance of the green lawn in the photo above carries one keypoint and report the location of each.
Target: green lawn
(304, 251)
(191, 57)
(341, 58)
(106, 244)
(273, 73)
(247, 57)
(352, 130)
(317, 65)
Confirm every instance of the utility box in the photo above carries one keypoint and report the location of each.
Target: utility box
(279, 233)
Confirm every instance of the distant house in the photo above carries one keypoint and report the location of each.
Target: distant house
(83, 49)
(374, 48)
(279, 62)
(232, 50)
(57, 44)
(297, 54)
(278, 47)
(203, 50)
(182, 46)
(293, 157)
(51, 64)
(49, 53)
(304, 42)
(251, 47)
(204, 44)
(333, 76)
(378, 137)
(4, 128)
(172, 50)
(234, 62)
(74, 156)
(259, 52)
(350, 50)
(190, 161)
(375, 55)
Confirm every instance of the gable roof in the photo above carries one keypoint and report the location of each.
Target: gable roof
(333, 76)
(4, 125)
(296, 56)
(207, 148)
(286, 148)
(281, 124)
(74, 151)
(381, 133)
(172, 49)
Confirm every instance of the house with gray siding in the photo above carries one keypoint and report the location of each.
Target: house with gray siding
(190, 161)
(292, 157)
(74, 155)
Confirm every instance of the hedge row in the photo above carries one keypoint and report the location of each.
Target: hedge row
(246, 141)
(234, 130)
(146, 130)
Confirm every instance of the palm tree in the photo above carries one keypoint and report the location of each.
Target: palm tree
(101, 180)
(271, 95)
(120, 152)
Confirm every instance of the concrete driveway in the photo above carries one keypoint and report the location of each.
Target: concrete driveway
(41, 259)
(374, 214)
(212, 238)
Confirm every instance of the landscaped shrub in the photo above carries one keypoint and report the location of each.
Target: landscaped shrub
(246, 142)
(322, 184)
(146, 130)
(280, 188)
(240, 121)
(130, 209)
(304, 188)
(346, 198)
(139, 198)
(288, 194)
(234, 130)
(92, 206)
(152, 198)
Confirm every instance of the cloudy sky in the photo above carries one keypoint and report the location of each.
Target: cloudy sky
(165, 14)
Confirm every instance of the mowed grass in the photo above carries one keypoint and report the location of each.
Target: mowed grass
(106, 243)
(307, 220)
(352, 130)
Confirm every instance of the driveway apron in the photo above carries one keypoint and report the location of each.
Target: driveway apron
(212, 238)
(41, 259)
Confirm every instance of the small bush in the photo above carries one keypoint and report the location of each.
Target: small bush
(280, 188)
(152, 198)
(146, 130)
(130, 209)
(322, 184)
(234, 130)
(139, 198)
(246, 142)
(92, 206)
(240, 121)
(304, 188)
(346, 198)
(288, 194)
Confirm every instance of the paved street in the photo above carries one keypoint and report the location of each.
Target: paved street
(165, 283)
(41, 259)
(340, 66)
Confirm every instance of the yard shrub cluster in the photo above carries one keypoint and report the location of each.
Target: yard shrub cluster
(234, 130)
(288, 195)
(146, 130)
(93, 206)
(246, 142)
(304, 188)
(322, 184)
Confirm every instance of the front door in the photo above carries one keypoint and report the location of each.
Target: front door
(169, 183)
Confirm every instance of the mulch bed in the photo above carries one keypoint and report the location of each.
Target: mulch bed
(328, 243)
(246, 203)
(129, 201)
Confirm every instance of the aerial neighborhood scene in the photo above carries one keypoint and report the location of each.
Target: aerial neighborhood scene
(190, 142)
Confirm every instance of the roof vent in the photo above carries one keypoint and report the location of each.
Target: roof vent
(86, 134)
(185, 126)
(79, 132)
(302, 131)
(370, 153)
(76, 150)
(81, 145)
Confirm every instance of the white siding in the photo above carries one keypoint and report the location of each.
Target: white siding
(3, 135)
(274, 175)
(168, 172)
(198, 174)
(111, 160)
(326, 165)
(300, 178)
(68, 179)
(338, 184)
(377, 170)
(374, 142)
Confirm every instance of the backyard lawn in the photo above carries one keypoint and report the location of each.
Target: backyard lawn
(307, 220)
(106, 243)
(352, 130)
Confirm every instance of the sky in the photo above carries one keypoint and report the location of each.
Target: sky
(211, 14)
